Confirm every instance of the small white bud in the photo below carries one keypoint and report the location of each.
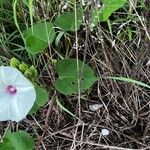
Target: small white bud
(105, 132)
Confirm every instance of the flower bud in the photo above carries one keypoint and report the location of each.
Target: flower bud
(14, 62)
(54, 61)
(34, 71)
(23, 67)
(28, 74)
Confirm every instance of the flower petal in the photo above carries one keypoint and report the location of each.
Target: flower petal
(4, 100)
(8, 74)
(5, 112)
(23, 103)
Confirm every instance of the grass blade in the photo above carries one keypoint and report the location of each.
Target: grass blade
(63, 108)
(129, 81)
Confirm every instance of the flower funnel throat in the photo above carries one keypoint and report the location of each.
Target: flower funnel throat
(17, 94)
(11, 90)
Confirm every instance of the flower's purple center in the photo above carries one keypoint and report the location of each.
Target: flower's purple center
(11, 89)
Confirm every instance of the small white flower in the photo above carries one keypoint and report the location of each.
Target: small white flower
(83, 2)
(105, 132)
(17, 94)
(92, 25)
(64, 7)
(98, 5)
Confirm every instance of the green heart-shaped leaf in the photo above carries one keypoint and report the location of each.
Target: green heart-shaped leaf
(38, 37)
(68, 76)
(67, 21)
(19, 140)
(103, 13)
(41, 100)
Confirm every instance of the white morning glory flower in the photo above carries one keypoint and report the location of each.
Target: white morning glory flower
(17, 94)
